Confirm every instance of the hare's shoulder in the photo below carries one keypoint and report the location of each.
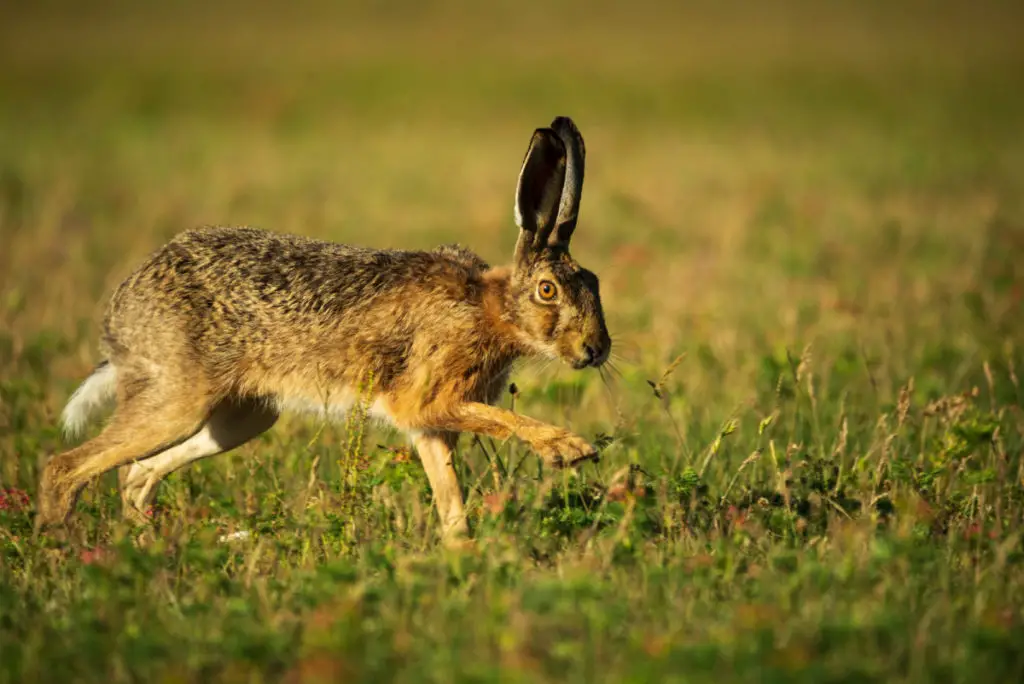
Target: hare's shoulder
(462, 256)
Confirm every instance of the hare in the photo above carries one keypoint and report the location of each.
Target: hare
(222, 329)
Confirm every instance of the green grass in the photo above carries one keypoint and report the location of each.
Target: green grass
(808, 224)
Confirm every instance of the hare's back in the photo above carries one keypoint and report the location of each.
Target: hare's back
(233, 283)
(254, 267)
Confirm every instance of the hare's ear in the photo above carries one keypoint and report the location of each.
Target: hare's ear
(572, 189)
(539, 192)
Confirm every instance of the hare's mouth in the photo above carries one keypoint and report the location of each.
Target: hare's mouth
(591, 356)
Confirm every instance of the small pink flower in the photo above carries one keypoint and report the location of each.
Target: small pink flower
(495, 503)
(93, 556)
(973, 531)
(13, 500)
(736, 516)
(617, 492)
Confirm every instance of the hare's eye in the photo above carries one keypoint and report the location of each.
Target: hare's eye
(546, 290)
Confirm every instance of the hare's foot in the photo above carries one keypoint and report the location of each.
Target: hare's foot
(561, 448)
(135, 501)
(138, 490)
(557, 446)
(57, 496)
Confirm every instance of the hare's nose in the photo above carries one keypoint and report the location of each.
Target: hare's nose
(589, 354)
(594, 355)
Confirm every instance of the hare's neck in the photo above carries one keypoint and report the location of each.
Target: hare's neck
(499, 315)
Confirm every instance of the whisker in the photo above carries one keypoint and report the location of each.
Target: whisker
(544, 371)
(538, 365)
(612, 394)
(613, 369)
(608, 377)
(545, 367)
(630, 350)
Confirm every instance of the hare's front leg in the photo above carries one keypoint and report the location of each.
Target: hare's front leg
(435, 451)
(557, 446)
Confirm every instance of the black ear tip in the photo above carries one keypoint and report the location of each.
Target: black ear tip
(563, 123)
(549, 141)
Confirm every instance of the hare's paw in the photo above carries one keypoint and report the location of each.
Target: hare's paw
(55, 498)
(561, 448)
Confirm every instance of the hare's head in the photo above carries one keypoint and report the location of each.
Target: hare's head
(555, 301)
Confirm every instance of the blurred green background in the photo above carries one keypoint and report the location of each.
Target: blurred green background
(814, 208)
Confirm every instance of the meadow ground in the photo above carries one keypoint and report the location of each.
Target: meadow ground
(809, 225)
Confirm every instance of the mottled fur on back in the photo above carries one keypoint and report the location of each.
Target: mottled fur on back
(221, 329)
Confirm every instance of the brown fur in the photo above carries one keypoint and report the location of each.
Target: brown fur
(222, 328)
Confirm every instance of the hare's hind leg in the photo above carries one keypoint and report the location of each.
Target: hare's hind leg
(435, 451)
(232, 423)
(152, 414)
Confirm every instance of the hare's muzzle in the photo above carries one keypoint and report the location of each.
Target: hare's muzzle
(593, 354)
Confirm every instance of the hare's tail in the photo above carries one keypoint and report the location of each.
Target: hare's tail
(91, 395)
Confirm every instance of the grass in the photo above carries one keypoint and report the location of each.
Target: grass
(809, 229)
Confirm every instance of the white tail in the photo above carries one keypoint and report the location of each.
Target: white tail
(91, 395)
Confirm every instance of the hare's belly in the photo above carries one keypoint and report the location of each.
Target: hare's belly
(336, 407)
